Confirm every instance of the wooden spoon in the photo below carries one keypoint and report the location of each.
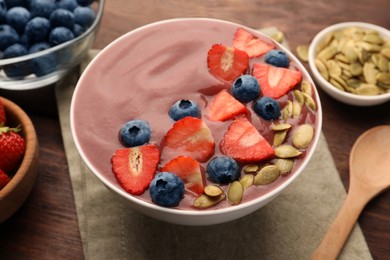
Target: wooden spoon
(369, 175)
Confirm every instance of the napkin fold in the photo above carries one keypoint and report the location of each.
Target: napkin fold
(289, 227)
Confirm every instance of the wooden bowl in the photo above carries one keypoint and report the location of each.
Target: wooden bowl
(13, 195)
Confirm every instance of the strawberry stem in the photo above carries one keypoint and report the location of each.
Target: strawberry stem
(7, 129)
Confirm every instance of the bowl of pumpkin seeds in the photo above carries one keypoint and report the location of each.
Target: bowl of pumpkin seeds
(351, 62)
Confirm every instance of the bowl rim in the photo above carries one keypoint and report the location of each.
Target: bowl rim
(326, 85)
(194, 212)
(61, 46)
(31, 150)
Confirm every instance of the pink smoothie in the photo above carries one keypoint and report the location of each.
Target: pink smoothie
(141, 75)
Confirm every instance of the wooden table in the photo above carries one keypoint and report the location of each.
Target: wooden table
(46, 226)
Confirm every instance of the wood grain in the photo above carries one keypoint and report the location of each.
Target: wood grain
(46, 226)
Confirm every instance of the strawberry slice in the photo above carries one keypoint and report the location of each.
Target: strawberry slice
(134, 167)
(227, 63)
(4, 179)
(189, 136)
(275, 81)
(255, 47)
(224, 107)
(189, 170)
(244, 143)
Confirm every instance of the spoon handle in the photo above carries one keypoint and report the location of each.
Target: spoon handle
(339, 231)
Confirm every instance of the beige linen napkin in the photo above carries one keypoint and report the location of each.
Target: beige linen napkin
(290, 227)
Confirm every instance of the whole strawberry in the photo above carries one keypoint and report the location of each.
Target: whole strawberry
(4, 179)
(2, 115)
(12, 147)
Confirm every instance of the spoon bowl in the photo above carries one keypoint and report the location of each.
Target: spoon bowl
(369, 175)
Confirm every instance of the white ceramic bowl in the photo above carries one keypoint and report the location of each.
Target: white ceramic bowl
(67, 55)
(334, 92)
(105, 95)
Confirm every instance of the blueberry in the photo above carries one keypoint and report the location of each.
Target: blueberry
(134, 133)
(60, 35)
(223, 170)
(183, 108)
(8, 36)
(16, 70)
(78, 30)
(166, 189)
(42, 65)
(62, 18)
(267, 108)
(24, 40)
(42, 8)
(84, 16)
(277, 58)
(3, 11)
(245, 88)
(37, 29)
(17, 17)
(85, 2)
(13, 3)
(67, 4)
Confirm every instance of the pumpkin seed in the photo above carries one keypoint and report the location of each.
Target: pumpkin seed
(247, 181)
(250, 168)
(279, 137)
(327, 53)
(356, 69)
(333, 68)
(383, 63)
(204, 201)
(354, 83)
(341, 57)
(351, 54)
(303, 135)
(286, 112)
(325, 42)
(303, 52)
(287, 151)
(386, 52)
(309, 101)
(306, 87)
(281, 127)
(336, 84)
(373, 37)
(267, 175)
(322, 68)
(235, 193)
(213, 190)
(284, 165)
(278, 36)
(370, 73)
(297, 109)
(298, 97)
(383, 78)
(368, 90)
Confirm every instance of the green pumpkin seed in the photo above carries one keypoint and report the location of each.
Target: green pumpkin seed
(235, 193)
(287, 151)
(383, 78)
(322, 68)
(325, 42)
(356, 69)
(351, 54)
(383, 63)
(342, 58)
(370, 72)
(327, 53)
(278, 36)
(354, 83)
(284, 165)
(213, 190)
(303, 135)
(298, 97)
(281, 127)
(247, 181)
(286, 112)
(279, 137)
(309, 101)
(386, 52)
(368, 90)
(250, 168)
(333, 68)
(297, 109)
(336, 84)
(204, 201)
(306, 87)
(373, 37)
(267, 175)
(303, 52)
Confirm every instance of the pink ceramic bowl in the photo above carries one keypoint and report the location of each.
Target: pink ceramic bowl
(138, 74)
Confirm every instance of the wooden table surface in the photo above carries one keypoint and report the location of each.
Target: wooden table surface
(46, 225)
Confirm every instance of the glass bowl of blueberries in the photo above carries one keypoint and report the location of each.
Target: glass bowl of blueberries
(41, 40)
